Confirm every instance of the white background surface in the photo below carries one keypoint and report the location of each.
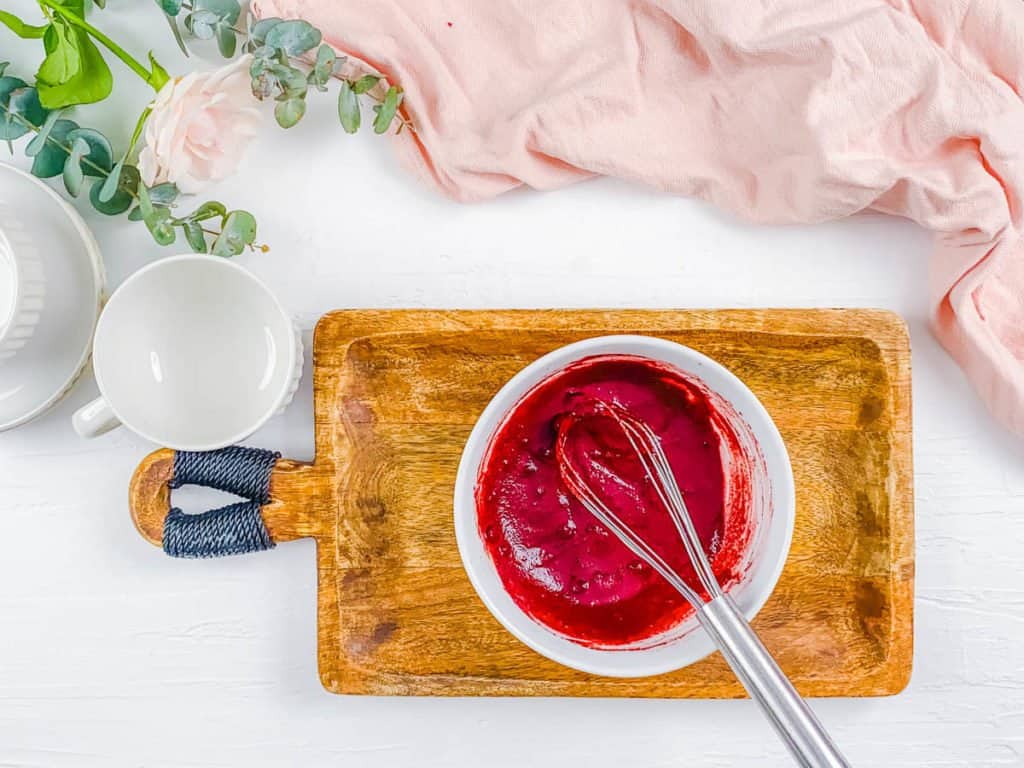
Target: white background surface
(112, 654)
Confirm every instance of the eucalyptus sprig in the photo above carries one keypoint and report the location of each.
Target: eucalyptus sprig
(61, 147)
(288, 60)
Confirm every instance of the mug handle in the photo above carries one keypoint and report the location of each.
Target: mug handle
(282, 501)
(95, 418)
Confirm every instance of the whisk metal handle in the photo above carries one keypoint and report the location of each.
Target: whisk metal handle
(768, 686)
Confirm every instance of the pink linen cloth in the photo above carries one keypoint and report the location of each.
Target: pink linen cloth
(789, 111)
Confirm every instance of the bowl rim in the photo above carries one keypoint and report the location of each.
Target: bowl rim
(480, 569)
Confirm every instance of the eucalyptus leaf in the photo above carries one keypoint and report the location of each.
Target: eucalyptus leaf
(239, 231)
(202, 24)
(195, 236)
(324, 66)
(386, 110)
(226, 40)
(53, 154)
(146, 208)
(348, 108)
(170, 7)
(291, 79)
(224, 10)
(163, 194)
(258, 31)
(122, 198)
(365, 83)
(135, 214)
(109, 187)
(294, 37)
(160, 226)
(35, 146)
(100, 158)
(20, 28)
(208, 210)
(20, 108)
(74, 71)
(73, 174)
(289, 112)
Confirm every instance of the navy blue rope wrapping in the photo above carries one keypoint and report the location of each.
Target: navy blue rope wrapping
(231, 530)
(242, 471)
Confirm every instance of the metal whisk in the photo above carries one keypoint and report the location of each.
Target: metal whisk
(755, 668)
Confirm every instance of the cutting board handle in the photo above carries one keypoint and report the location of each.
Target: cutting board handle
(281, 509)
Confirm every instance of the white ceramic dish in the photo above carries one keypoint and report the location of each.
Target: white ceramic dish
(192, 352)
(22, 283)
(43, 369)
(687, 642)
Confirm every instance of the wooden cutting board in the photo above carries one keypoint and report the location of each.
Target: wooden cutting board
(396, 394)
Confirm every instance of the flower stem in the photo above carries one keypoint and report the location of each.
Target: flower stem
(130, 61)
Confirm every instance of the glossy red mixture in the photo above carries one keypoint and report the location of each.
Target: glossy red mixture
(556, 561)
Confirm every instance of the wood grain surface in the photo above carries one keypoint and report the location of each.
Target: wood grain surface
(396, 395)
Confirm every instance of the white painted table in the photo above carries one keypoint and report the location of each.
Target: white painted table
(114, 655)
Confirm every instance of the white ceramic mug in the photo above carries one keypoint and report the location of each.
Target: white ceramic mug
(22, 285)
(774, 510)
(194, 353)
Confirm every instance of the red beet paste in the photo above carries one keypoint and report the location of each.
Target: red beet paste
(556, 561)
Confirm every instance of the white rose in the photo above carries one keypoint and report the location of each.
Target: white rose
(200, 127)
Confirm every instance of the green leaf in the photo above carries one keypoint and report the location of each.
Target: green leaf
(74, 71)
(3, 67)
(109, 187)
(170, 7)
(208, 210)
(122, 198)
(160, 75)
(76, 7)
(63, 60)
(386, 110)
(291, 79)
(348, 108)
(195, 236)
(294, 37)
(160, 227)
(289, 112)
(100, 159)
(202, 24)
(34, 147)
(258, 31)
(163, 194)
(135, 214)
(324, 66)
(146, 207)
(53, 154)
(20, 107)
(73, 175)
(239, 231)
(365, 83)
(20, 28)
(226, 40)
(224, 10)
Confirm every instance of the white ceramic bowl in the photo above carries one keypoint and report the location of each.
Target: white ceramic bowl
(22, 283)
(774, 512)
